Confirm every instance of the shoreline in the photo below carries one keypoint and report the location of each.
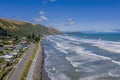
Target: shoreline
(39, 70)
(44, 73)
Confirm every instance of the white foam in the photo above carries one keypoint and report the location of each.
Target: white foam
(89, 78)
(109, 46)
(113, 75)
(54, 69)
(81, 56)
(62, 47)
(106, 45)
(52, 72)
(61, 50)
(73, 58)
(102, 44)
(47, 54)
(116, 62)
(57, 75)
(47, 62)
(84, 56)
(94, 77)
(75, 64)
(89, 54)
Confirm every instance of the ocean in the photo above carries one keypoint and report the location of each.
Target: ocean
(82, 56)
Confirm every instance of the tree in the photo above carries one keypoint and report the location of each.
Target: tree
(17, 38)
(33, 35)
(37, 39)
(29, 36)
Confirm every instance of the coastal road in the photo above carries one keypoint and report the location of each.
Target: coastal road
(21, 66)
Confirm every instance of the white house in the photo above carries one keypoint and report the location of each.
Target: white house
(7, 57)
(13, 53)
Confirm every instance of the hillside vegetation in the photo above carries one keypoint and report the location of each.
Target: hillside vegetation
(14, 28)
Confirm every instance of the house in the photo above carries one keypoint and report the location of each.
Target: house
(13, 53)
(16, 50)
(8, 46)
(23, 40)
(7, 57)
(2, 66)
(1, 48)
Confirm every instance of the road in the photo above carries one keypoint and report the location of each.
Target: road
(21, 66)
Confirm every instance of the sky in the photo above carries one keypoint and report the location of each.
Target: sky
(66, 15)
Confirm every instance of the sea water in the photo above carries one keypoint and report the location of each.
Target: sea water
(82, 56)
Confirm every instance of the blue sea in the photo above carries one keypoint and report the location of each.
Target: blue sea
(82, 56)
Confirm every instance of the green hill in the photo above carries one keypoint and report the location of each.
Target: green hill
(21, 28)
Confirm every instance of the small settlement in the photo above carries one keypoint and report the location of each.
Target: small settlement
(10, 52)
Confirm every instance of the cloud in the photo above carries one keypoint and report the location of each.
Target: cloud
(46, 1)
(42, 13)
(52, 0)
(70, 21)
(41, 18)
(105, 31)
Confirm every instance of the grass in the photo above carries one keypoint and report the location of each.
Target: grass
(16, 61)
(1, 54)
(7, 50)
(3, 61)
(8, 69)
(29, 62)
(5, 71)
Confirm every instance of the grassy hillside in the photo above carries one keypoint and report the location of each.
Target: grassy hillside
(14, 28)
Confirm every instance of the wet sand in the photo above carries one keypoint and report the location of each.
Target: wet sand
(39, 65)
(39, 72)
(45, 75)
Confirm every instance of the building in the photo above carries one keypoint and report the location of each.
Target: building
(7, 57)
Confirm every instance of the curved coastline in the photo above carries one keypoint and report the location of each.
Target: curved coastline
(39, 71)
(44, 73)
